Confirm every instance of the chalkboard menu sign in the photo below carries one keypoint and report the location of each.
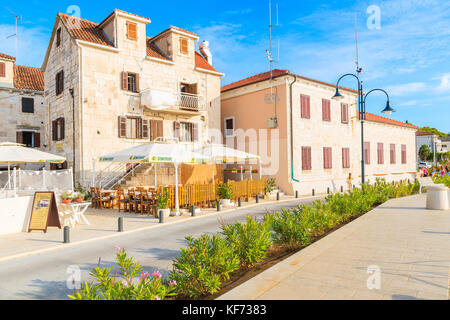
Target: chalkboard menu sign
(44, 212)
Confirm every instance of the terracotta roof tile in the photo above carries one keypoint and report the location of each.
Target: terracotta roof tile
(5, 56)
(154, 51)
(85, 30)
(201, 62)
(421, 133)
(275, 73)
(376, 118)
(28, 78)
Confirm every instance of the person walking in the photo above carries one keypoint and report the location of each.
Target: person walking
(349, 181)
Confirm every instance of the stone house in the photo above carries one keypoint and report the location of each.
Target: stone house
(22, 104)
(109, 87)
(308, 141)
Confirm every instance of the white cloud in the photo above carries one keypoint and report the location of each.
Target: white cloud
(406, 88)
(445, 82)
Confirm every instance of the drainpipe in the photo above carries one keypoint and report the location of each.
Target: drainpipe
(292, 129)
(73, 132)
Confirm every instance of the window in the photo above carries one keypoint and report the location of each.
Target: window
(185, 131)
(345, 158)
(156, 129)
(59, 82)
(30, 139)
(380, 153)
(306, 158)
(326, 112)
(403, 153)
(229, 127)
(327, 158)
(344, 113)
(58, 37)
(367, 152)
(133, 127)
(184, 45)
(2, 69)
(28, 105)
(130, 82)
(58, 129)
(131, 30)
(392, 153)
(305, 107)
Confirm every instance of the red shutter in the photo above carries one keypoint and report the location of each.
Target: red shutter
(54, 130)
(344, 113)
(145, 129)
(367, 152)
(2, 69)
(122, 127)
(392, 154)
(37, 140)
(62, 128)
(305, 107)
(403, 153)
(380, 153)
(326, 112)
(303, 158)
(124, 80)
(327, 158)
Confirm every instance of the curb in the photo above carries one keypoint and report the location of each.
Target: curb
(118, 234)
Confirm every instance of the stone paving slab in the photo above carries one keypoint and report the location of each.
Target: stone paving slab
(409, 244)
(103, 223)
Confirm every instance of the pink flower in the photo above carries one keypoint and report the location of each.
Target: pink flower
(309, 229)
(144, 275)
(172, 283)
(125, 283)
(156, 274)
(117, 248)
(157, 298)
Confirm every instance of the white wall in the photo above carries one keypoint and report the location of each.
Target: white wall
(15, 214)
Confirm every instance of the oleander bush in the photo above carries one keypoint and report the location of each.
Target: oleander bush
(203, 265)
(444, 180)
(250, 240)
(129, 282)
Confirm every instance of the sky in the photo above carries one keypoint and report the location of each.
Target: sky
(404, 45)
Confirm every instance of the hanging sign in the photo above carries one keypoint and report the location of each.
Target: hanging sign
(44, 212)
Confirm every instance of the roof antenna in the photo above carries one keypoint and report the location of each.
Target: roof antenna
(358, 69)
(269, 52)
(16, 35)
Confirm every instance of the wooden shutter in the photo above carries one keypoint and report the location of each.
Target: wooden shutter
(195, 132)
(344, 113)
(176, 129)
(306, 158)
(137, 82)
(54, 130)
(403, 153)
(392, 153)
(326, 112)
(131, 30)
(37, 140)
(327, 158)
(367, 152)
(58, 37)
(124, 80)
(62, 128)
(19, 137)
(122, 127)
(184, 45)
(159, 129)
(345, 158)
(305, 106)
(145, 129)
(2, 69)
(62, 81)
(380, 153)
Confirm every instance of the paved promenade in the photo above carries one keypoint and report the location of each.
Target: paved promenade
(400, 250)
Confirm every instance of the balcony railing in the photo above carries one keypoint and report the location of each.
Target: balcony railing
(190, 102)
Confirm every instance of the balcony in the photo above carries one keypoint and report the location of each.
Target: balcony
(181, 102)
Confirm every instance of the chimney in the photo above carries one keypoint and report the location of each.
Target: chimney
(204, 50)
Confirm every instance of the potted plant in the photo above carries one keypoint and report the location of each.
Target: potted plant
(270, 186)
(225, 194)
(162, 202)
(79, 197)
(66, 197)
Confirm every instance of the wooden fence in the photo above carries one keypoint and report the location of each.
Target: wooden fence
(205, 195)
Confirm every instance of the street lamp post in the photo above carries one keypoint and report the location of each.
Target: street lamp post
(362, 112)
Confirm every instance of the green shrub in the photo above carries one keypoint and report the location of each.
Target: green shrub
(123, 285)
(444, 180)
(225, 191)
(270, 185)
(203, 265)
(250, 240)
(289, 230)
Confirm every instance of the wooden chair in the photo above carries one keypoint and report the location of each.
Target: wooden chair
(94, 203)
(102, 201)
(132, 200)
(122, 200)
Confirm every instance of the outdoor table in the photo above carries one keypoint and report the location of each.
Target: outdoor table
(78, 209)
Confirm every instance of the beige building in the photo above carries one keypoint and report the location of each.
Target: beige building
(307, 140)
(21, 104)
(109, 86)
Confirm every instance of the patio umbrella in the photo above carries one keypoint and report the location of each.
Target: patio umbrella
(17, 153)
(218, 153)
(157, 152)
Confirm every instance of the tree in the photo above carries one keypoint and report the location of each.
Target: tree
(424, 152)
(433, 131)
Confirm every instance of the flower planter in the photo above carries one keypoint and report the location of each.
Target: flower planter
(79, 200)
(165, 212)
(225, 202)
(67, 201)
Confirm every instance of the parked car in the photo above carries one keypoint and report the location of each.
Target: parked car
(424, 165)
